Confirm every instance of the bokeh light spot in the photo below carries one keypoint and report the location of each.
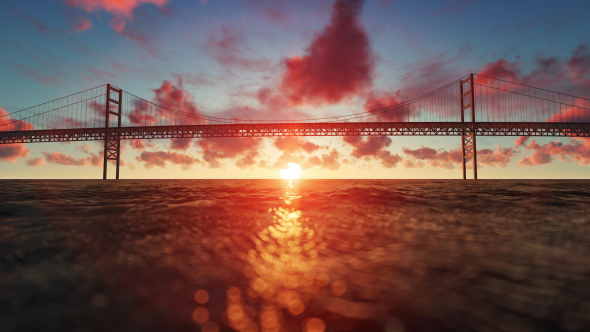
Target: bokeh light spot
(314, 325)
(201, 296)
(339, 287)
(200, 315)
(322, 280)
(233, 293)
(210, 327)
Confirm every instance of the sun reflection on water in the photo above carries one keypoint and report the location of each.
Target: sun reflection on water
(290, 194)
(281, 274)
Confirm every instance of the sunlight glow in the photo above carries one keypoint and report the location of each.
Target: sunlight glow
(292, 173)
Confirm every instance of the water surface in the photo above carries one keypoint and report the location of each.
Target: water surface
(266, 255)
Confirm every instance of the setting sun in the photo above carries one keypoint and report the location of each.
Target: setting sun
(292, 173)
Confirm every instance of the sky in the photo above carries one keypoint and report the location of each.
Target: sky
(265, 59)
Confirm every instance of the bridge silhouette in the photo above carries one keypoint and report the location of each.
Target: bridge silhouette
(471, 106)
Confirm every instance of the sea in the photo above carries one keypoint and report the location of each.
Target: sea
(300, 255)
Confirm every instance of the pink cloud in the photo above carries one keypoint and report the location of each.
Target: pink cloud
(97, 160)
(578, 151)
(228, 47)
(140, 144)
(12, 152)
(7, 123)
(501, 69)
(170, 95)
(117, 24)
(71, 123)
(294, 144)
(176, 97)
(291, 145)
(373, 147)
(64, 159)
(367, 147)
(521, 141)
(318, 76)
(500, 157)
(579, 111)
(547, 72)
(376, 105)
(35, 74)
(495, 158)
(35, 162)
(579, 64)
(327, 160)
(551, 73)
(330, 160)
(388, 159)
(120, 8)
(122, 11)
(161, 158)
(77, 21)
(180, 143)
(242, 151)
(83, 24)
(141, 114)
(441, 158)
(85, 148)
(537, 158)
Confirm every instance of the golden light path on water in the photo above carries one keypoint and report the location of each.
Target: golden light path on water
(281, 271)
(282, 278)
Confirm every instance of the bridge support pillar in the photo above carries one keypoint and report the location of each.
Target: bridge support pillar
(112, 140)
(468, 146)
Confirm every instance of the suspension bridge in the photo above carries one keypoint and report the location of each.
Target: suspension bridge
(471, 106)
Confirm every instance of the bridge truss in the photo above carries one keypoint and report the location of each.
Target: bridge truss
(469, 107)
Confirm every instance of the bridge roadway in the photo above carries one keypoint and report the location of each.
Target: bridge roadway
(568, 129)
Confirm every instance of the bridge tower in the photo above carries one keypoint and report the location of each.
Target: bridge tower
(468, 146)
(112, 140)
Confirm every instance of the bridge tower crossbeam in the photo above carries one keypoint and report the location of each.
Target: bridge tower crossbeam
(468, 146)
(112, 139)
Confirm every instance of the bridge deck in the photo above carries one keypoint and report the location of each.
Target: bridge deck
(572, 129)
